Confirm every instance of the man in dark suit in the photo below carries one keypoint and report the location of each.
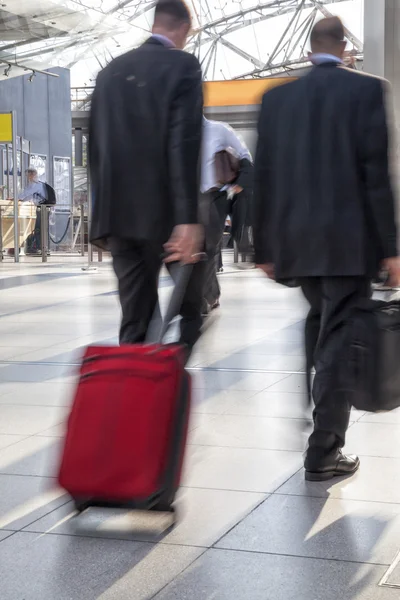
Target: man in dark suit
(144, 148)
(324, 216)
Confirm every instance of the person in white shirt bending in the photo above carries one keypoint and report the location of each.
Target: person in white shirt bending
(218, 137)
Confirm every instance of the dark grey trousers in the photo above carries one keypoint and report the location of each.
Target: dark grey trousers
(331, 300)
(137, 267)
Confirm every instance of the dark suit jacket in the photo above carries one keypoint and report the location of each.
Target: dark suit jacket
(144, 144)
(323, 199)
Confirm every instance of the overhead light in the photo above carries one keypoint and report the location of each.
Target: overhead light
(30, 78)
(7, 71)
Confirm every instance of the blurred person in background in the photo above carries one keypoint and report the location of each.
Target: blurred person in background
(144, 153)
(35, 191)
(220, 137)
(324, 216)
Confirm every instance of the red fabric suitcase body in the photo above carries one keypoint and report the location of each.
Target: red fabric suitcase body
(128, 425)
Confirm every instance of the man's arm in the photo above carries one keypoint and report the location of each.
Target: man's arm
(233, 140)
(261, 213)
(28, 192)
(375, 163)
(185, 132)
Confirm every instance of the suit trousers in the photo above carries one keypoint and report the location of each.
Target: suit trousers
(214, 233)
(332, 300)
(137, 267)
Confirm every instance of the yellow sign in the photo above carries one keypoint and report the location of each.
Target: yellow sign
(6, 128)
(243, 92)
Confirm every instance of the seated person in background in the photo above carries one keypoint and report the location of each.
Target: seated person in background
(218, 137)
(36, 192)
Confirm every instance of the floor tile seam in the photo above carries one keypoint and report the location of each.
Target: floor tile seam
(58, 424)
(229, 490)
(196, 369)
(54, 477)
(281, 450)
(253, 395)
(47, 306)
(212, 369)
(43, 516)
(33, 406)
(330, 498)
(186, 568)
(238, 491)
(112, 538)
(300, 556)
(41, 278)
(243, 447)
(245, 516)
(259, 417)
(25, 438)
(230, 414)
(12, 533)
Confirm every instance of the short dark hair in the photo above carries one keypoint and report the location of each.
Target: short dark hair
(327, 32)
(175, 12)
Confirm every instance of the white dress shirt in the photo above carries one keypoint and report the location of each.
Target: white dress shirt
(35, 192)
(217, 137)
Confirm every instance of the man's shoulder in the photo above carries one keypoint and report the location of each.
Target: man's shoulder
(188, 63)
(283, 89)
(218, 125)
(179, 58)
(361, 78)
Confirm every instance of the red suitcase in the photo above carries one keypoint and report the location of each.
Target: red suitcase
(127, 429)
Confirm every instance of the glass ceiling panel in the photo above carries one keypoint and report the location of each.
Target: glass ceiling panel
(232, 38)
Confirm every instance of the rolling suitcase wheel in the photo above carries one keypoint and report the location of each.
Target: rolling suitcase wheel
(81, 505)
(163, 507)
(166, 508)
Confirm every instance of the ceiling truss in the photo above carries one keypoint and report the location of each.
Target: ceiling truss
(69, 31)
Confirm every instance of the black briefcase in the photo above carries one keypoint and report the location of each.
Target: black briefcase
(372, 357)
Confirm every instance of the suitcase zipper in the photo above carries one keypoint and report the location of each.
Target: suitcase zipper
(144, 357)
(154, 377)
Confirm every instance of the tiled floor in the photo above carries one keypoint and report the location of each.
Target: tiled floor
(250, 527)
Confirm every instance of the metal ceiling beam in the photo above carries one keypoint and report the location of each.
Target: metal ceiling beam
(217, 38)
(275, 51)
(219, 29)
(216, 32)
(281, 5)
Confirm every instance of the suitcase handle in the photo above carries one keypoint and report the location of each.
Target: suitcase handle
(181, 275)
(159, 326)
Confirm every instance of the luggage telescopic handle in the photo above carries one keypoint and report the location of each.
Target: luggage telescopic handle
(181, 275)
(159, 326)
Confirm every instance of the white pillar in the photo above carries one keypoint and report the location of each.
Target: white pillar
(382, 57)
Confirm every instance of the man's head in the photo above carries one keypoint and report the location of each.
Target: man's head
(173, 19)
(31, 174)
(328, 36)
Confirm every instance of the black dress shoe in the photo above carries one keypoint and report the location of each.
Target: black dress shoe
(341, 466)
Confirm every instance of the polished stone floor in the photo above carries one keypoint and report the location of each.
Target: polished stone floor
(250, 528)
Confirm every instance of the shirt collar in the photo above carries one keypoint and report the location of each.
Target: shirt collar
(164, 40)
(319, 58)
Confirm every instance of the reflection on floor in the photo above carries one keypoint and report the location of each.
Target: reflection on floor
(250, 527)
